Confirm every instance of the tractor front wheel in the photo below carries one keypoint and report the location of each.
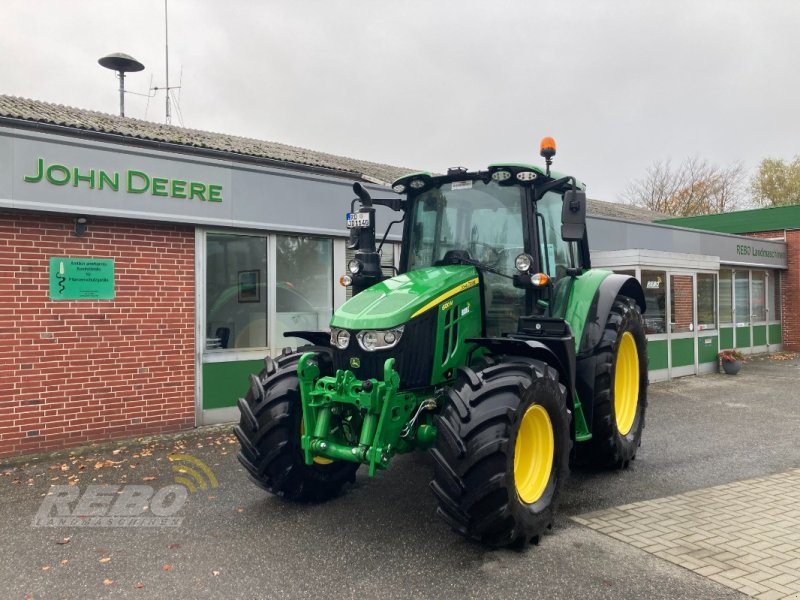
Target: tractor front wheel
(502, 452)
(269, 433)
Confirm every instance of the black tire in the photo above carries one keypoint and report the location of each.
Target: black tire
(269, 434)
(609, 447)
(474, 473)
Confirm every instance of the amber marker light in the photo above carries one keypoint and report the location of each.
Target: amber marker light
(345, 280)
(540, 279)
(547, 147)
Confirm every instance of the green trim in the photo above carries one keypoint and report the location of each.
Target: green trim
(657, 355)
(773, 218)
(707, 348)
(726, 338)
(775, 334)
(225, 382)
(743, 337)
(759, 335)
(682, 352)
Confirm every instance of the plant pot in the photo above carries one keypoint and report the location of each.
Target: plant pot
(732, 367)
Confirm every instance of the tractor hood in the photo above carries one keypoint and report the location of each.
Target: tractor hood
(397, 300)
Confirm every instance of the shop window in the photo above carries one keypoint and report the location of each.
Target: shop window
(681, 304)
(706, 301)
(758, 296)
(236, 298)
(725, 297)
(774, 296)
(304, 287)
(655, 294)
(741, 292)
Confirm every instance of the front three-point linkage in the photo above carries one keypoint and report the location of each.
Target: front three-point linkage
(365, 421)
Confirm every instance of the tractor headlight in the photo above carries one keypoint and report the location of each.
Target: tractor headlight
(354, 266)
(523, 263)
(340, 338)
(379, 340)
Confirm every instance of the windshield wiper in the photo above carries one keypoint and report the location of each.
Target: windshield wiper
(462, 257)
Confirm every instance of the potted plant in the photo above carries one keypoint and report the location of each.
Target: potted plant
(731, 361)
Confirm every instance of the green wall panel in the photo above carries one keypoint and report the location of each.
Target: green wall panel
(775, 336)
(707, 349)
(682, 352)
(742, 337)
(725, 338)
(759, 335)
(657, 353)
(224, 383)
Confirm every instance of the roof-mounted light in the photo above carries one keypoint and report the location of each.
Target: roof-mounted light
(417, 184)
(501, 175)
(399, 188)
(547, 147)
(526, 176)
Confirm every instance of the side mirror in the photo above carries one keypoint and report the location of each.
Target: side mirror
(573, 216)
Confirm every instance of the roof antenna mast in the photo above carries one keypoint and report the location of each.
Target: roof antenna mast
(166, 51)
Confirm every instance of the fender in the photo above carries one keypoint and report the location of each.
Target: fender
(600, 308)
(558, 352)
(317, 338)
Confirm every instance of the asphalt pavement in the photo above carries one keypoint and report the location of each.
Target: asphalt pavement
(381, 539)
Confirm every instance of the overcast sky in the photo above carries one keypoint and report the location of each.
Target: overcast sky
(432, 84)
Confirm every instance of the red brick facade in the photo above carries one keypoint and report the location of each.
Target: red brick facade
(790, 287)
(72, 372)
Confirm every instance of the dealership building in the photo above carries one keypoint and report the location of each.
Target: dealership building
(146, 270)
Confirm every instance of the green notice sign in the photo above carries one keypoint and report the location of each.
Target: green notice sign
(81, 278)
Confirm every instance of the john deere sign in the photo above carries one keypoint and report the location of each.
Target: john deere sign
(131, 181)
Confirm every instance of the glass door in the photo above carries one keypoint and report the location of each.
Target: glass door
(682, 328)
(742, 316)
(758, 303)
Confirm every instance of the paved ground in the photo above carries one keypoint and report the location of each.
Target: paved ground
(707, 440)
(745, 535)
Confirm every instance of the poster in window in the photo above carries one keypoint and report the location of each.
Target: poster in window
(249, 290)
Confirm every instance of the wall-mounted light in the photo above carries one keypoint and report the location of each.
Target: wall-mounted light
(80, 226)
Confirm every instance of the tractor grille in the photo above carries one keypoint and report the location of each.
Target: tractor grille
(413, 354)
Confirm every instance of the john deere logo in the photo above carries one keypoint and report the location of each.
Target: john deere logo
(355, 363)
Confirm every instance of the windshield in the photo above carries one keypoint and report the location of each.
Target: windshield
(483, 219)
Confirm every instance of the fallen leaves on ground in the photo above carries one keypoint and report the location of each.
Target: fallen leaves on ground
(167, 567)
(105, 559)
(63, 541)
(108, 581)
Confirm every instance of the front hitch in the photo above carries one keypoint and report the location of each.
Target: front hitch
(376, 414)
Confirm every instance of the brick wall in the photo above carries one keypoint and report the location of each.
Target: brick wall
(72, 372)
(790, 288)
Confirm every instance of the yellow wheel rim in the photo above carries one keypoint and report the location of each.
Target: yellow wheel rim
(626, 383)
(533, 454)
(318, 460)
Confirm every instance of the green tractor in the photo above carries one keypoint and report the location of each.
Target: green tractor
(497, 348)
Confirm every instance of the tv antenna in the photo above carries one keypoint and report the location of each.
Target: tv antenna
(121, 63)
(167, 87)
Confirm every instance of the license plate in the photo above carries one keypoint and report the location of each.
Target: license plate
(357, 220)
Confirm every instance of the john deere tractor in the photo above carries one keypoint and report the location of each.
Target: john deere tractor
(497, 348)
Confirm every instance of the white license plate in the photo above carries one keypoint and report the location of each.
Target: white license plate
(357, 220)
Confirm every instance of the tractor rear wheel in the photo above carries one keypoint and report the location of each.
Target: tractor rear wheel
(269, 433)
(502, 452)
(620, 390)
